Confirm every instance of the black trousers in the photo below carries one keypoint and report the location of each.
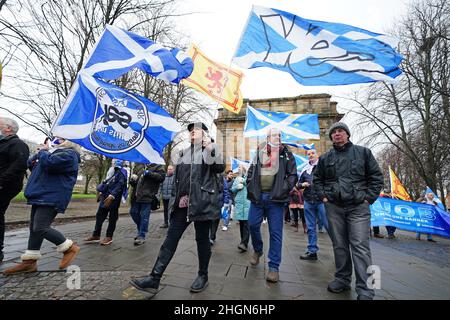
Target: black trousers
(245, 231)
(6, 195)
(177, 226)
(101, 216)
(166, 211)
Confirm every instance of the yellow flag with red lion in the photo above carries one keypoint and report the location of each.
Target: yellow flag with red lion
(398, 191)
(219, 82)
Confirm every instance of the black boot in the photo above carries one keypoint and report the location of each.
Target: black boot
(200, 283)
(309, 256)
(2, 256)
(151, 283)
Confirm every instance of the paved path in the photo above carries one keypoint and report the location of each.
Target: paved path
(410, 269)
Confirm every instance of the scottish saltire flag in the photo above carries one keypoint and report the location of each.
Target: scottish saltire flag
(111, 121)
(303, 146)
(301, 162)
(436, 198)
(294, 127)
(316, 52)
(235, 163)
(119, 51)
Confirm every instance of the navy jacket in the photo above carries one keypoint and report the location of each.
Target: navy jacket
(114, 186)
(53, 176)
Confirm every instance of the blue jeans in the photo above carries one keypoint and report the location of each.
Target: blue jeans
(274, 213)
(140, 213)
(314, 212)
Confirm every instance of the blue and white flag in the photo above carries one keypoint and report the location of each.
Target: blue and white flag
(410, 216)
(111, 121)
(436, 198)
(301, 162)
(294, 127)
(235, 163)
(119, 51)
(316, 52)
(303, 146)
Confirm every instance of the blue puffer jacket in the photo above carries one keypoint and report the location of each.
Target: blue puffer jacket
(53, 176)
(241, 203)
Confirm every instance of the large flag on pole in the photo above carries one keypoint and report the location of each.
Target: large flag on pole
(111, 121)
(294, 127)
(217, 81)
(398, 191)
(316, 52)
(119, 51)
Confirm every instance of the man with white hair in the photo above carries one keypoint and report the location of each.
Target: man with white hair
(14, 154)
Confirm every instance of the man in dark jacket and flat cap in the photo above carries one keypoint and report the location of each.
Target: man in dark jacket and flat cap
(348, 179)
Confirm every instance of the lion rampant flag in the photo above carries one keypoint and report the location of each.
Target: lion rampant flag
(398, 191)
(215, 80)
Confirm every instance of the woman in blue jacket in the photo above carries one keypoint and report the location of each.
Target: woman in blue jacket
(54, 171)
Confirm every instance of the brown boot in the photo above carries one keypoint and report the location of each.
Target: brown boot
(254, 259)
(26, 266)
(272, 276)
(69, 255)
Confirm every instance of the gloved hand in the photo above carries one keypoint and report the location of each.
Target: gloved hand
(134, 177)
(240, 186)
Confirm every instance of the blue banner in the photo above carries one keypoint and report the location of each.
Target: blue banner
(410, 216)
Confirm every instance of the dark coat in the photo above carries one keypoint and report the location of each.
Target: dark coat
(348, 176)
(148, 183)
(205, 195)
(53, 176)
(284, 181)
(14, 154)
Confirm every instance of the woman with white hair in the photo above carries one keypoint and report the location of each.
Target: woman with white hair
(54, 171)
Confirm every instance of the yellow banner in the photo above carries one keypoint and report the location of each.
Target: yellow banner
(398, 191)
(215, 80)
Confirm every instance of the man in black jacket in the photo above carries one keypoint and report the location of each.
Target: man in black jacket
(348, 179)
(14, 154)
(145, 187)
(195, 197)
(270, 179)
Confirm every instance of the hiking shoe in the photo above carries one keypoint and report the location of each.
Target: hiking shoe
(242, 247)
(379, 236)
(92, 239)
(139, 241)
(391, 236)
(337, 286)
(164, 226)
(106, 241)
(224, 228)
(431, 240)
